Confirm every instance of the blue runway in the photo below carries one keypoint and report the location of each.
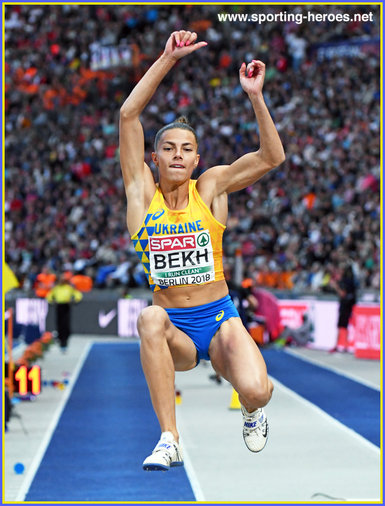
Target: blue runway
(106, 430)
(350, 402)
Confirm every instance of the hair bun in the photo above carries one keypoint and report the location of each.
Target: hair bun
(182, 119)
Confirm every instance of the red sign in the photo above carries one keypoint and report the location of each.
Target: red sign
(291, 313)
(367, 334)
(172, 243)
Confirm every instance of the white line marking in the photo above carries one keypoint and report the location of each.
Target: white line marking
(191, 475)
(334, 369)
(51, 428)
(328, 417)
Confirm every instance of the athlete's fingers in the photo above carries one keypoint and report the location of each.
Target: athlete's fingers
(185, 38)
(198, 45)
(259, 65)
(250, 69)
(242, 70)
(182, 37)
(176, 38)
(179, 37)
(254, 68)
(192, 39)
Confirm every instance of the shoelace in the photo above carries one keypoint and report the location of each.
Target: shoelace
(252, 422)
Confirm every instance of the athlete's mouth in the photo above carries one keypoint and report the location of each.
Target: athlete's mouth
(177, 166)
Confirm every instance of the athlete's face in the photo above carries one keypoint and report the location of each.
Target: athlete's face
(176, 155)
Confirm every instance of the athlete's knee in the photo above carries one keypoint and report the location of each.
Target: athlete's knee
(152, 322)
(258, 391)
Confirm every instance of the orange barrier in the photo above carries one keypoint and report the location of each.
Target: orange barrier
(10, 360)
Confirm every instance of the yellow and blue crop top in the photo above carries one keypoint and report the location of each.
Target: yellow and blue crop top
(182, 247)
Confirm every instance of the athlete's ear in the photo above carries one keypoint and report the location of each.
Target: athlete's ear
(197, 160)
(154, 157)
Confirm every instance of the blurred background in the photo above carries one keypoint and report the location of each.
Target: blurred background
(68, 70)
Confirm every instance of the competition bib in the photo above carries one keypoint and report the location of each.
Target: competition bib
(181, 259)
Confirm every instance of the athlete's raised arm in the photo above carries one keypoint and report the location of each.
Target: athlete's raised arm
(250, 167)
(138, 180)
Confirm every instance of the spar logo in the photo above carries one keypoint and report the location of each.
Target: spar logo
(174, 243)
(203, 239)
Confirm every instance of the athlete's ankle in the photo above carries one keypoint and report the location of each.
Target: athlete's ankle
(173, 431)
(250, 409)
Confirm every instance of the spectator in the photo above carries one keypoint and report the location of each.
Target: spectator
(81, 282)
(44, 282)
(300, 336)
(346, 288)
(63, 295)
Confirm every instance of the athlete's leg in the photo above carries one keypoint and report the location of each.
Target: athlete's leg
(164, 349)
(236, 357)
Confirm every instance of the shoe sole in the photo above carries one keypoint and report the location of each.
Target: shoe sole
(257, 451)
(160, 467)
(155, 467)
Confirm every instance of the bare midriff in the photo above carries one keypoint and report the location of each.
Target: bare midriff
(189, 296)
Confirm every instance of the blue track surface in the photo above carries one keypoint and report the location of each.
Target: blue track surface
(106, 430)
(353, 404)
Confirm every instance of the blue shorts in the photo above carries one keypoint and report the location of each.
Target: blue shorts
(201, 322)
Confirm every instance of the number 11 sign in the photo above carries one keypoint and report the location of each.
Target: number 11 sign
(27, 380)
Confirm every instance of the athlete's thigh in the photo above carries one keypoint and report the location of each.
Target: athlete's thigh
(183, 351)
(235, 356)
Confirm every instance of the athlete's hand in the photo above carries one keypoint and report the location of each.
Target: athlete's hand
(182, 43)
(252, 76)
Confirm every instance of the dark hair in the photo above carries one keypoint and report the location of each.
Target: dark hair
(181, 122)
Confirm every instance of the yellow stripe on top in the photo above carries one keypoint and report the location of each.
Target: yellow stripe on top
(182, 247)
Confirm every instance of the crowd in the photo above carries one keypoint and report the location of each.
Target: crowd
(64, 198)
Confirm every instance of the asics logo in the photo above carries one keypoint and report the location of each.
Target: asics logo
(219, 316)
(158, 214)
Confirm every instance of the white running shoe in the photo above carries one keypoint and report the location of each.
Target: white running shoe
(166, 454)
(255, 429)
